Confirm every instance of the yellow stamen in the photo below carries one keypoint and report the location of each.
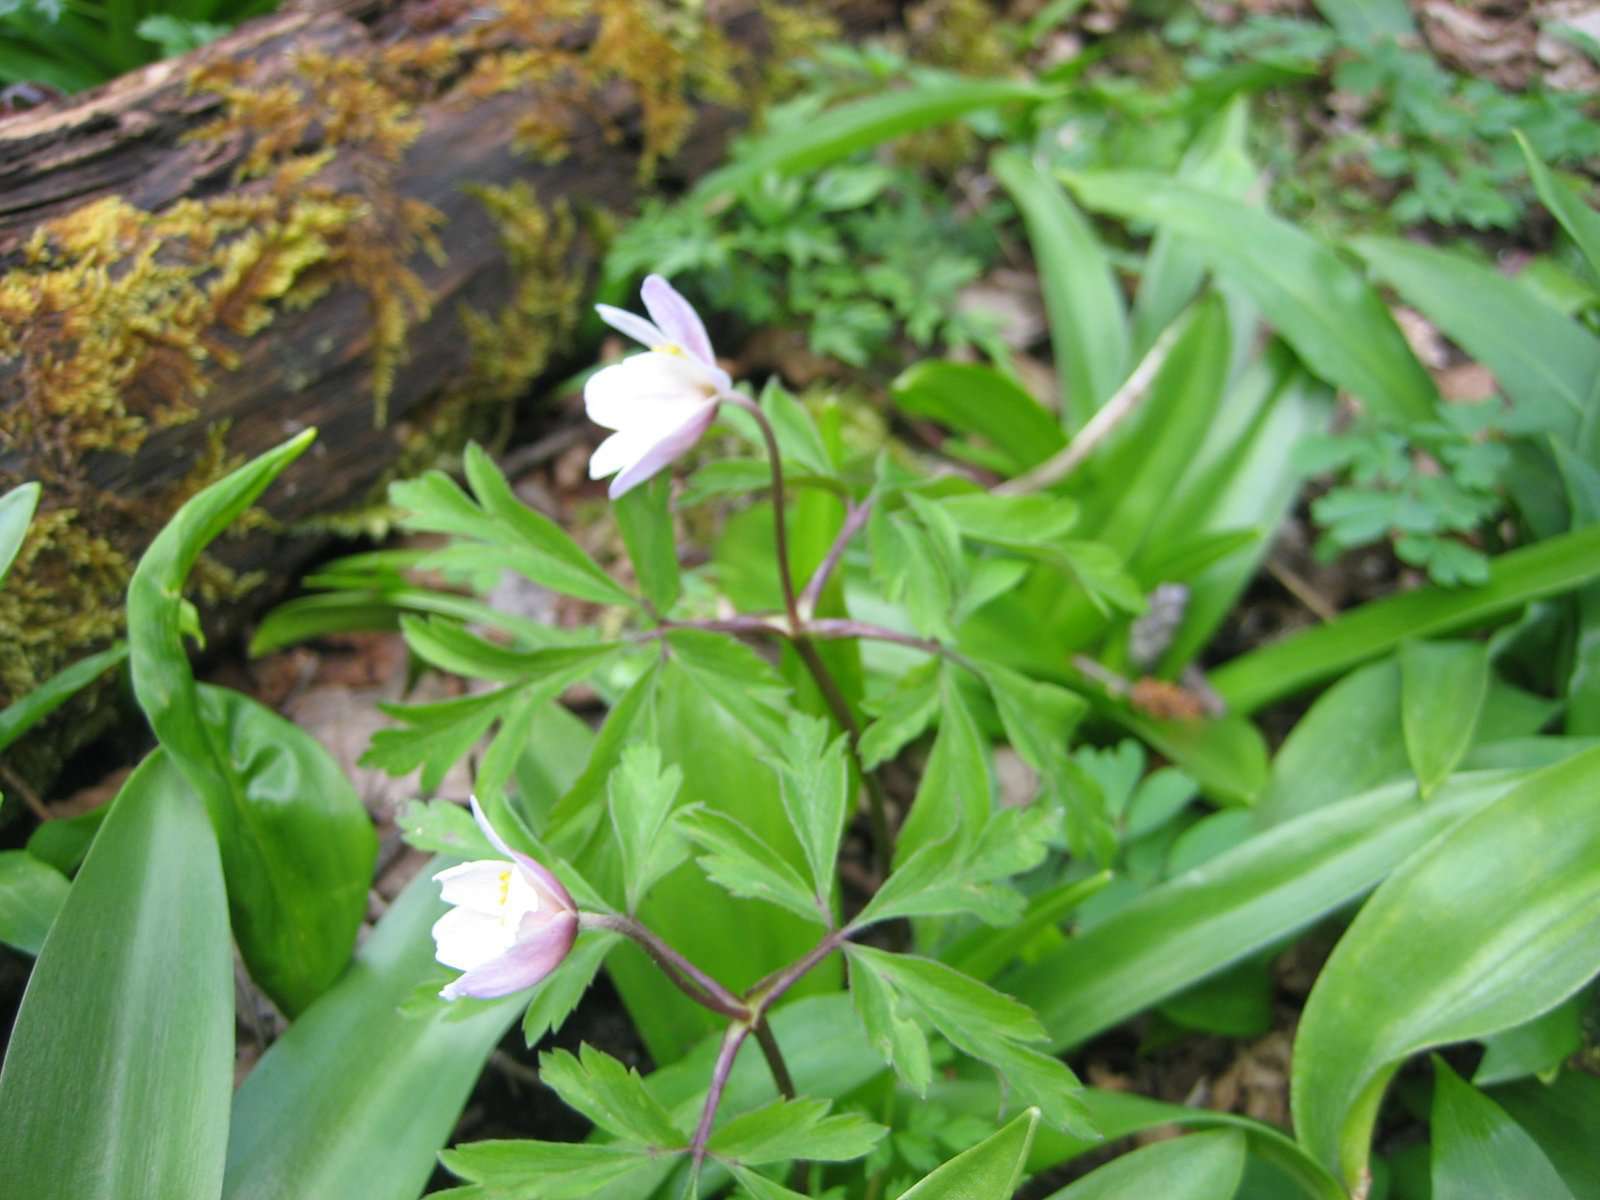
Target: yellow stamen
(671, 348)
(505, 887)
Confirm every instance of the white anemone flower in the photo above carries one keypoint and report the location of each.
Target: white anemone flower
(659, 402)
(511, 925)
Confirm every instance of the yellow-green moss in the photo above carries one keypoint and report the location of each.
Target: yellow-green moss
(114, 322)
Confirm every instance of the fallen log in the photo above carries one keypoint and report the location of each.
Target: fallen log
(367, 217)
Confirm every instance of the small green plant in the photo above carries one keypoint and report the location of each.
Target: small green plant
(1428, 486)
(1439, 145)
(854, 256)
(75, 44)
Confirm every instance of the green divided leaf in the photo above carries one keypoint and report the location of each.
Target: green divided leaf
(789, 1129)
(521, 539)
(739, 861)
(610, 1095)
(816, 788)
(549, 1170)
(641, 798)
(133, 990)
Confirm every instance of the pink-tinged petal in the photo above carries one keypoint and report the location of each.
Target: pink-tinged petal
(676, 318)
(665, 451)
(535, 955)
(534, 871)
(632, 324)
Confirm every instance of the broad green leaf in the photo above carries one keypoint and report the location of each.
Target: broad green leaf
(16, 511)
(1489, 925)
(1442, 689)
(990, 1170)
(120, 1066)
(1239, 903)
(641, 799)
(788, 1129)
(1201, 1166)
(1117, 1115)
(1127, 491)
(1319, 304)
(1219, 161)
(1479, 1153)
(1545, 362)
(1563, 1116)
(359, 1095)
(842, 131)
(610, 1095)
(1536, 1047)
(1546, 568)
(645, 518)
(1365, 22)
(738, 680)
(1566, 205)
(975, 400)
(1088, 320)
(31, 894)
(1350, 740)
(759, 1187)
(17, 718)
(63, 843)
(297, 845)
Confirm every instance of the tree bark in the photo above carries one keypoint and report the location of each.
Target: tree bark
(367, 217)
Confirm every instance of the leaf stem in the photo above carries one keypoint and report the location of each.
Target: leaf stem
(768, 1042)
(853, 521)
(779, 525)
(689, 979)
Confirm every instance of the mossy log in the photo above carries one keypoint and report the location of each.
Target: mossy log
(380, 219)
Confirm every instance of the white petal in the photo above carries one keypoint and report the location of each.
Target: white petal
(664, 451)
(483, 886)
(676, 318)
(465, 940)
(622, 394)
(634, 326)
(618, 451)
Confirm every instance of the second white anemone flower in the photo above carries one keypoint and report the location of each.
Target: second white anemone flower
(659, 402)
(511, 925)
